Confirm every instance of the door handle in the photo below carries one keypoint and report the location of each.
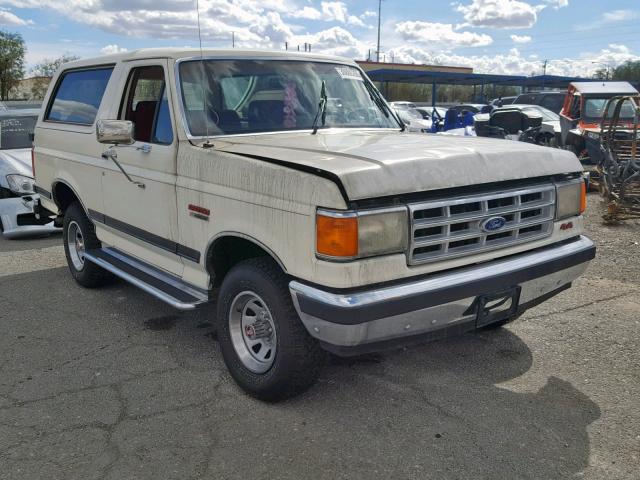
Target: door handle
(112, 155)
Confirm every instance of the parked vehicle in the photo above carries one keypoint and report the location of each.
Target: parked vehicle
(582, 113)
(502, 101)
(403, 104)
(469, 107)
(411, 118)
(17, 218)
(549, 132)
(551, 100)
(435, 115)
(510, 123)
(314, 225)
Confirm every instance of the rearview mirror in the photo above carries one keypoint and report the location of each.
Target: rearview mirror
(115, 132)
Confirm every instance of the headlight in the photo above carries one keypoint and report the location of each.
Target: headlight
(346, 235)
(571, 199)
(20, 184)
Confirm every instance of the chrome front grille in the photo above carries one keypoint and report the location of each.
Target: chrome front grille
(456, 227)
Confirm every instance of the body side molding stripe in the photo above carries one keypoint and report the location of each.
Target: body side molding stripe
(151, 238)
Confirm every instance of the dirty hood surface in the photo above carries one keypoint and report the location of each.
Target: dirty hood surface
(373, 164)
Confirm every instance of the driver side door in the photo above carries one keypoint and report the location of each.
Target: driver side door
(142, 219)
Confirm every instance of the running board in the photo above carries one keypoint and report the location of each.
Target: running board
(160, 284)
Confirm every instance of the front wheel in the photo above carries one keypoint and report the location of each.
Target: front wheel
(264, 344)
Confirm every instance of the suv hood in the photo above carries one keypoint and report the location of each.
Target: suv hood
(373, 164)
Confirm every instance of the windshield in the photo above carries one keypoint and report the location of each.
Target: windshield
(15, 132)
(594, 109)
(547, 115)
(252, 96)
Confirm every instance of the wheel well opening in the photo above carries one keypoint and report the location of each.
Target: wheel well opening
(226, 252)
(63, 196)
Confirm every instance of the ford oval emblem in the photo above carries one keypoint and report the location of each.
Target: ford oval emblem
(494, 223)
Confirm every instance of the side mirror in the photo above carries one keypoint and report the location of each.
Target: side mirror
(115, 132)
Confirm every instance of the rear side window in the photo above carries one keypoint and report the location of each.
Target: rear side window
(78, 96)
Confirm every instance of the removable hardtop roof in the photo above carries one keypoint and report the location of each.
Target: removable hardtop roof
(193, 53)
(604, 88)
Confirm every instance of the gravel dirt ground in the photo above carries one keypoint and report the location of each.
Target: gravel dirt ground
(112, 384)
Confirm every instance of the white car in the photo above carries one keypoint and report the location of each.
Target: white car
(412, 119)
(17, 195)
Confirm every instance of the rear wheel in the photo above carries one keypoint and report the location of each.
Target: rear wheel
(264, 344)
(79, 236)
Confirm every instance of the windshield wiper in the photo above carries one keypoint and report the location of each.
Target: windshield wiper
(322, 108)
(382, 105)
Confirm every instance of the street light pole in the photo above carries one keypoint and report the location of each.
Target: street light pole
(378, 49)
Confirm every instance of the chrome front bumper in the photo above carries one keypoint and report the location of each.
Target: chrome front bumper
(366, 320)
(11, 209)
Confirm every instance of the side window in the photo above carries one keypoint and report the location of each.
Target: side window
(78, 96)
(552, 102)
(146, 105)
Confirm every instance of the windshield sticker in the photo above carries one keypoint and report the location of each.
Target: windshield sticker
(349, 73)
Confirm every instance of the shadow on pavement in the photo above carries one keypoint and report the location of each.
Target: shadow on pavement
(432, 411)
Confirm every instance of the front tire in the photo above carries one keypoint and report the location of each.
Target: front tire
(79, 235)
(264, 344)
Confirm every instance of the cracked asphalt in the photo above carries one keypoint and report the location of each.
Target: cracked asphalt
(112, 384)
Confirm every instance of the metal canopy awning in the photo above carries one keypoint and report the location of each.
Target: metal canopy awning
(435, 78)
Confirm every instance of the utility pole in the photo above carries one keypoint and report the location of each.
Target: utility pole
(544, 72)
(379, 13)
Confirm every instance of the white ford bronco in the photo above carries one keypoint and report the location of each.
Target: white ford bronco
(283, 187)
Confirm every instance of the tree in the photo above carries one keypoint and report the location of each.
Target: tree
(629, 71)
(601, 74)
(12, 52)
(43, 71)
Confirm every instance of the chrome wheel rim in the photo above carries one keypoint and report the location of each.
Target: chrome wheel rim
(75, 245)
(252, 332)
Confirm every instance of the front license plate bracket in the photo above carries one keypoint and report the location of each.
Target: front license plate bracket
(497, 306)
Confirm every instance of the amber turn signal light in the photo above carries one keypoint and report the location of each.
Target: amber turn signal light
(337, 236)
(583, 197)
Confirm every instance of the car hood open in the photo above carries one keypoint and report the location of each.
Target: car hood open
(373, 164)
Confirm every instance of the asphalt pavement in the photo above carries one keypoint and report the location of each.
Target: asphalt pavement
(113, 384)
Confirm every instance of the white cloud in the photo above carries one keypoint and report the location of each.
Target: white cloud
(335, 41)
(254, 23)
(521, 38)
(331, 12)
(110, 49)
(11, 19)
(615, 16)
(369, 13)
(440, 33)
(558, 3)
(499, 13)
(309, 13)
(514, 63)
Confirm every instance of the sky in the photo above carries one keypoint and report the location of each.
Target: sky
(575, 37)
